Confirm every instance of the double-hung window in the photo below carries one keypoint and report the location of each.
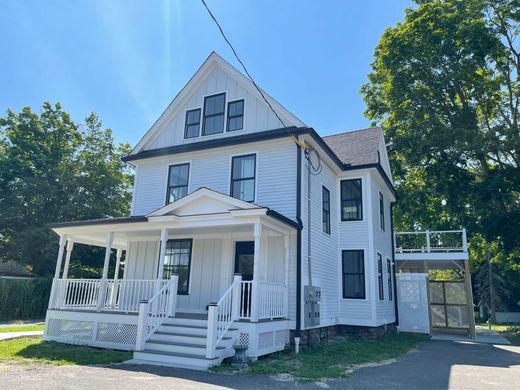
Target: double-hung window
(178, 176)
(381, 212)
(353, 274)
(192, 126)
(214, 107)
(351, 200)
(177, 260)
(389, 276)
(380, 277)
(235, 115)
(325, 199)
(243, 177)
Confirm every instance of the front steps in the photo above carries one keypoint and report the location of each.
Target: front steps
(181, 342)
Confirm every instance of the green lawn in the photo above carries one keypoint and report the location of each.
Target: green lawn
(33, 350)
(333, 360)
(510, 332)
(22, 328)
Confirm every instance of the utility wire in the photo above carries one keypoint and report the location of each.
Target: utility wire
(241, 63)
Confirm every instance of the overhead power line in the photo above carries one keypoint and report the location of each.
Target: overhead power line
(241, 63)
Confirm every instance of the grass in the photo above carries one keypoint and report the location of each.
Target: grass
(33, 350)
(333, 360)
(510, 332)
(22, 328)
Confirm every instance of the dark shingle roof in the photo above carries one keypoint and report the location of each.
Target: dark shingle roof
(356, 147)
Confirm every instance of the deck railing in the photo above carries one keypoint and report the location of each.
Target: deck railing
(431, 241)
(154, 311)
(271, 302)
(116, 295)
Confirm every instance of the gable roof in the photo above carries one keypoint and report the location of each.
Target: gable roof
(213, 61)
(357, 147)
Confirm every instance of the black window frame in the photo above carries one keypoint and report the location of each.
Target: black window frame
(325, 210)
(233, 180)
(381, 211)
(360, 274)
(358, 200)
(380, 282)
(186, 124)
(229, 117)
(204, 116)
(169, 187)
(168, 268)
(389, 278)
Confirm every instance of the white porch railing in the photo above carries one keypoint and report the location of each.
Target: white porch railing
(431, 241)
(221, 315)
(153, 312)
(271, 302)
(245, 299)
(119, 295)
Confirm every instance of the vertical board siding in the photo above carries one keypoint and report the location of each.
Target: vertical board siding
(257, 116)
(385, 310)
(142, 260)
(275, 176)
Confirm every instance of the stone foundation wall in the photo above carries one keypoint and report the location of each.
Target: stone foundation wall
(317, 336)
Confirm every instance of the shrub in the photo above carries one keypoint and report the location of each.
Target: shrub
(23, 299)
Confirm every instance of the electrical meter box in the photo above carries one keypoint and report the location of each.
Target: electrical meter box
(312, 297)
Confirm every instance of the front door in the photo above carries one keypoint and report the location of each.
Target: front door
(244, 255)
(244, 259)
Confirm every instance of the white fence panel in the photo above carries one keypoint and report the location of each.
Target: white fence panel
(412, 298)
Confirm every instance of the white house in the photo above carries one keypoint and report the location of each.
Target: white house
(246, 227)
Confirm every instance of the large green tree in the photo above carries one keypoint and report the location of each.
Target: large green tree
(51, 170)
(444, 85)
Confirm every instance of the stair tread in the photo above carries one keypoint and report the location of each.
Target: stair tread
(192, 326)
(185, 335)
(179, 354)
(174, 343)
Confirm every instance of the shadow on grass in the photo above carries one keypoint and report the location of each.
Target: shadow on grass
(35, 350)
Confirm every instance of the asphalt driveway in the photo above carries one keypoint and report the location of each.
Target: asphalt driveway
(434, 365)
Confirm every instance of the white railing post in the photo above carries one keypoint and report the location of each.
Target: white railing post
(173, 295)
(428, 247)
(211, 339)
(55, 284)
(235, 305)
(464, 241)
(141, 325)
(103, 286)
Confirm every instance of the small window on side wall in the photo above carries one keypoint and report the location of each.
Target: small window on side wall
(351, 200)
(192, 127)
(381, 212)
(389, 276)
(243, 177)
(380, 277)
(235, 115)
(353, 270)
(214, 107)
(325, 198)
(178, 177)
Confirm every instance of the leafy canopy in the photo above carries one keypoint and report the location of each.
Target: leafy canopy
(53, 169)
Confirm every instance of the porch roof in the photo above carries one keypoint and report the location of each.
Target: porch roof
(202, 210)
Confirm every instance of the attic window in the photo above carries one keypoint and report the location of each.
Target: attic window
(235, 120)
(191, 129)
(214, 108)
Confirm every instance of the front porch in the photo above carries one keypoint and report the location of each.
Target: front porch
(221, 261)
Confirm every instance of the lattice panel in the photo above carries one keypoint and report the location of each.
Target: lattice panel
(413, 303)
(70, 329)
(243, 339)
(117, 333)
(281, 337)
(265, 340)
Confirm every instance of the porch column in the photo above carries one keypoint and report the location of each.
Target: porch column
(256, 272)
(70, 245)
(103, 285)
(286, 292)
(55, 281)
(118, 261)
(469, 298)
(162, 252)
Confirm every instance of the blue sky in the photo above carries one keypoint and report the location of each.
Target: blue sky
(126, 60)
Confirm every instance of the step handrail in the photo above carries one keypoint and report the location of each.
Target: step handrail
(221, 315)
(153, 312)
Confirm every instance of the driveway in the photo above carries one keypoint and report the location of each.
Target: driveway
(435, 365)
